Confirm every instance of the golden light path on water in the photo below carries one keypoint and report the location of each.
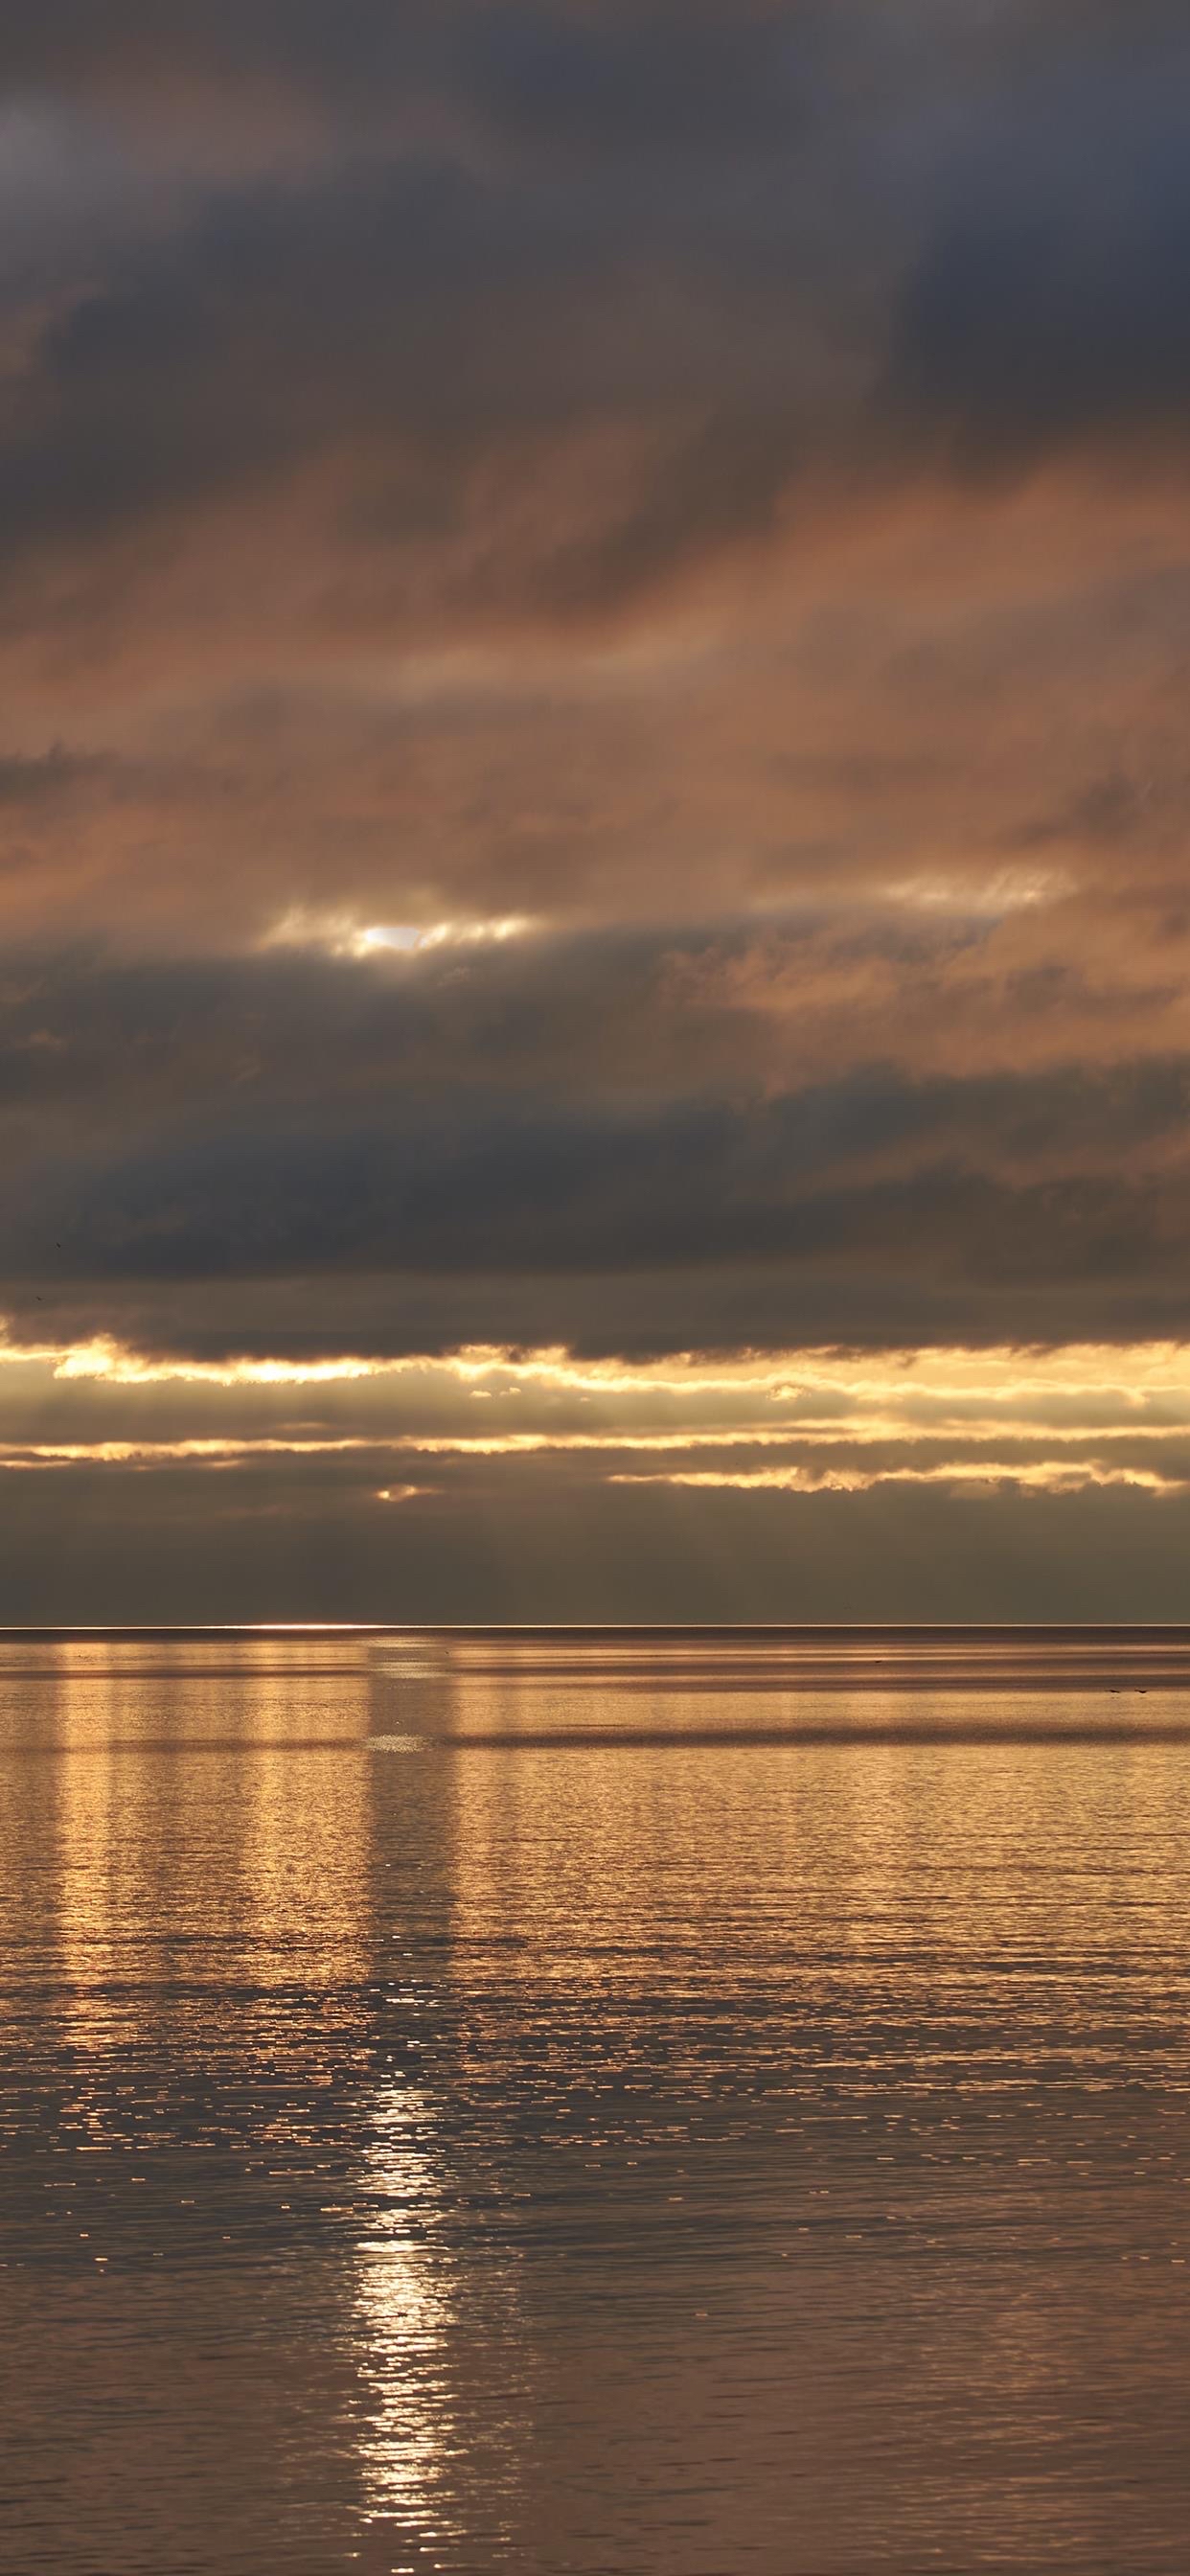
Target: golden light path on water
(552, 2098)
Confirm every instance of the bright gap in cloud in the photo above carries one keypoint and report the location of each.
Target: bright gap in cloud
(1059, 1421)
(1039, 1476)
(339, 935)
(1126, 1376)
(1012, 890)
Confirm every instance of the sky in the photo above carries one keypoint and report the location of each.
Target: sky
(593, 803)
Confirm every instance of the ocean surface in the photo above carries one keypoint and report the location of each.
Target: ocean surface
(687, 2103)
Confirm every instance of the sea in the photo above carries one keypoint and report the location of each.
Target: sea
(704, 2102)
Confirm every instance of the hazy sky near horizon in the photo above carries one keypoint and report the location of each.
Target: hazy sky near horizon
(593, 808)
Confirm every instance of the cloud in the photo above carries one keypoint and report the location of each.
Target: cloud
(510, 1130)
(701, 77)
(1037, 1476)
(570, 487)
(418, 302)
(1046, 306)
(517, 1425)
(706, 485)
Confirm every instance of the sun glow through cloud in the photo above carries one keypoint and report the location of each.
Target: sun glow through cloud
(1044, 1475)
(1128, 1375)
(340, 935)
(1056, 1422)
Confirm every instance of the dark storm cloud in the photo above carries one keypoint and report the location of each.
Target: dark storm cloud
(1049, 305)
(417, 321)
(701, 75)
(483, 1125)
(417, 291)
(859, 1015)
(638, 1315)
(692, 66)
(460, 1191)
(763, 249)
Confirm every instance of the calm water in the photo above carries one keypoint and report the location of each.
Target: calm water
(676, 2104)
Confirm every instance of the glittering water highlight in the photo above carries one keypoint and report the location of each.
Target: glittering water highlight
(678, 2102)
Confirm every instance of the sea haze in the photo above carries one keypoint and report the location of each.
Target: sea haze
(685, 2101)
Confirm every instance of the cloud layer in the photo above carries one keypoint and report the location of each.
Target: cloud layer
(593, 751)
